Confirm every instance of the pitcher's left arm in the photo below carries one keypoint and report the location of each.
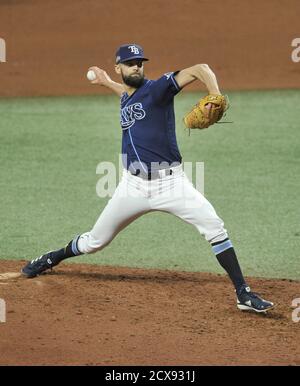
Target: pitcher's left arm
(200, 72)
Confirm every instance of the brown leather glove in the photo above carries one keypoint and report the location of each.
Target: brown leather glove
(206, 112)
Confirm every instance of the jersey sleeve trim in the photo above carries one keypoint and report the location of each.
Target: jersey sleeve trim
(174, 81)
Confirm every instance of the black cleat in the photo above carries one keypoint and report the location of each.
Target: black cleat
(38, 266)
(250, 301)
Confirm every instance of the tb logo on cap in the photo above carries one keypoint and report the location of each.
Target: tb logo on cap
(134, 50)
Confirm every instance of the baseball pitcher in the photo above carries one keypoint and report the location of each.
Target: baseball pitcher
(153, 178)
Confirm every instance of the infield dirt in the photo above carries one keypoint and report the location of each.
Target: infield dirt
(93, 315)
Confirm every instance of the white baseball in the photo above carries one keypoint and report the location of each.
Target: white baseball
(91, 75)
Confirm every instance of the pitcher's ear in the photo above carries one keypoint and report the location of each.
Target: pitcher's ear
(117, 69)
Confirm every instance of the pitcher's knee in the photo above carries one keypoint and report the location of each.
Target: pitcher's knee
(217, 236)
(87, 243)
(215, 231)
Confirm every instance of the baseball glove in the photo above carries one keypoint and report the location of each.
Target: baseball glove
(206, 112)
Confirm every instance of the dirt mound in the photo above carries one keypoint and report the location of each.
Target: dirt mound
(88, 314)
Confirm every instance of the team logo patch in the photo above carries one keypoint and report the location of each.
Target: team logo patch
(134, 50)
(130, 114)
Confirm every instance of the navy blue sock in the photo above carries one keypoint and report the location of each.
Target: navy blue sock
(226, 256)
(70, 250)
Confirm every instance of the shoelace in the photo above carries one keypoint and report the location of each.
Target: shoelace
(35, 260)
(254, 295)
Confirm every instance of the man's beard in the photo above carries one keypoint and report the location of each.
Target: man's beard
(134, 81)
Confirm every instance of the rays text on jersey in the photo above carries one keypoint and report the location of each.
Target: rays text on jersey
(131, 113)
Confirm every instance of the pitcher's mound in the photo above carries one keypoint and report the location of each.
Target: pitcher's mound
(93, 315)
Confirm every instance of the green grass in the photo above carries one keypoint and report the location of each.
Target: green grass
(50, 147)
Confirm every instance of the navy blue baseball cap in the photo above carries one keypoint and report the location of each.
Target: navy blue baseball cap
(129, 52)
